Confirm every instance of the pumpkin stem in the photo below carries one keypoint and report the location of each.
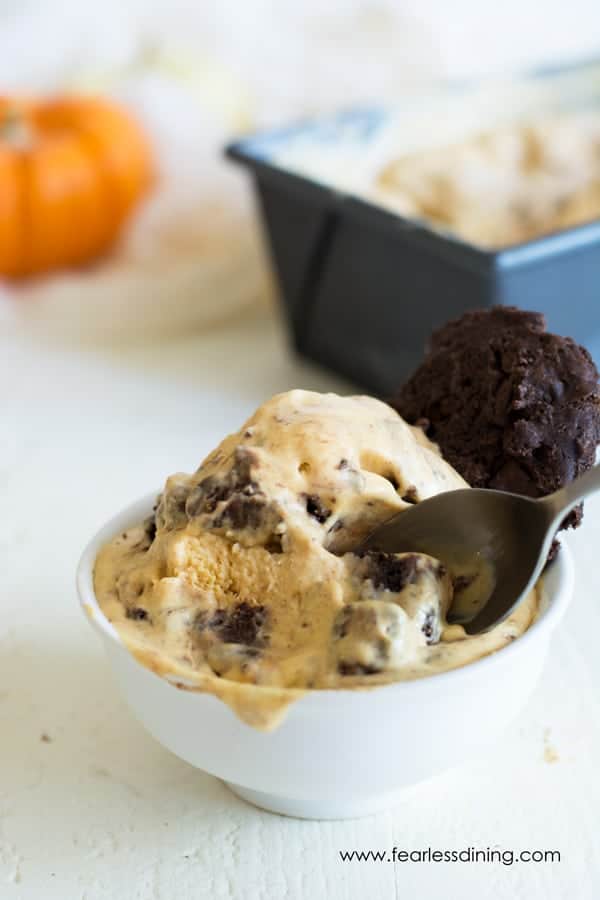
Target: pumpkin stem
(15, 130)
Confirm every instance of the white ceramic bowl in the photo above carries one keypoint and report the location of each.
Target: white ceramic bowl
(337, 754)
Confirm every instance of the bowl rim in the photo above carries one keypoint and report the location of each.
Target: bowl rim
(553, 610)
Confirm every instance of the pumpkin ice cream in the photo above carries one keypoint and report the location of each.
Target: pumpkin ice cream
(506, 186)
(243, 583)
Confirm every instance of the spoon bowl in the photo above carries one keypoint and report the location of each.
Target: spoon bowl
(497, 541)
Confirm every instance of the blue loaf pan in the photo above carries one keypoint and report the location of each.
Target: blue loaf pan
(362, 287)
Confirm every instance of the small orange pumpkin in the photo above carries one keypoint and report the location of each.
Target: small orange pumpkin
(71, 171)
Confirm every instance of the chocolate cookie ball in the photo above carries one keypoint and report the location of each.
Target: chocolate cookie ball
(511, 406)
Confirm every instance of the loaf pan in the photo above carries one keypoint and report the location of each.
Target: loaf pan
(361, 286)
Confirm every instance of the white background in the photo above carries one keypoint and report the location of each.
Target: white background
(301, 55)
(102, 811)
(99, 810)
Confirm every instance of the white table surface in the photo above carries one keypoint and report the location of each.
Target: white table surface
(91, 807)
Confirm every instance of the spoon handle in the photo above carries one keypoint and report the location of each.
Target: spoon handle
(562, 502)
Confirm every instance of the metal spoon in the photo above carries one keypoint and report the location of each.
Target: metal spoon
(508, 534)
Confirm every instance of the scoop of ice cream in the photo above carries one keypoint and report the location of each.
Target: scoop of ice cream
(307, 468)
(245, 574)
(511, 406)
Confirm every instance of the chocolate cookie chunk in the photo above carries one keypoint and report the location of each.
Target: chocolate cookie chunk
(232, 639)
(235, 503)
(237, 487)
(242, 624)
(150, 527)
(510, 405)
(316, 508)
(137, 613)
(416, 582)
(389, 571)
